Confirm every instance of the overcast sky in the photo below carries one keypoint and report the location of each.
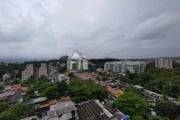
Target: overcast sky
(97, 28)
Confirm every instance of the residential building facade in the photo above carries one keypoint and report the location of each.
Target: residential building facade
(163, 63)
(62, 77)
(28, 72)
(43, 70)
(52, 70)
(177, 61)
(6, 76)
(123, 66)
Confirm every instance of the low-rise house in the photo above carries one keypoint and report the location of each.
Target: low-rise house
(65, 98)
(116, 92)
(18, 87)
(6, 76)
(62, 65)
(62, 77)
(52, 103)
(7, 87)
(94, 110)
(17, 97)
(13, 93)
(99, 69)
(65, 109)
(11, 96)
(30, 118)
(152, 97)
(84, 75)
(38, 100)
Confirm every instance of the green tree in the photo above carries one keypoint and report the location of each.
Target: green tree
(104, 78)
(137, 117)
(8, 116)
(51, 92)
(130, 103)
(44, 78)
(3, 106)
(20, 110)
(29, 81)
(158, 118)
(16, 112)
(15, 82)
(62, 69)
(160, 80)
(62, 88)
(84, 90)
(166, 108)
(71, 75)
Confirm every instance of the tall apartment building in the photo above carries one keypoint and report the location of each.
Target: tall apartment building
(42, 70)
(163, 63)
(52, 72)
(123, 66)
(28, 72)
(177, 61)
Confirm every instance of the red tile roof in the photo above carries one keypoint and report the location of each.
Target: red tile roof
(52, 102)
(65, 99)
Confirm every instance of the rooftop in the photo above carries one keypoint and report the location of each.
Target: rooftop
(115, 92)
(93, 110)
(76, 55)
(38, 100)
(7, 93)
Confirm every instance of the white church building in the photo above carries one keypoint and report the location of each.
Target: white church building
(77, 62)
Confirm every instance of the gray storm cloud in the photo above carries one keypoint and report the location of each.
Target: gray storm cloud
(98, 28)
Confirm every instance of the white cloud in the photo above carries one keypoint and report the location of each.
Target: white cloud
(99, 28)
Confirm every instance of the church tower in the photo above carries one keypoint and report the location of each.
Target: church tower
(77, 62)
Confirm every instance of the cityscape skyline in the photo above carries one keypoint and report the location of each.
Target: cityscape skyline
(117, 29)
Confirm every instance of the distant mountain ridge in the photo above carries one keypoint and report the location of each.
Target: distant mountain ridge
(65, 57)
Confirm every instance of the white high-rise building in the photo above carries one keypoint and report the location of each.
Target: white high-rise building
(177, 61)
(123, 66)
(42, 70)
(163, 63)
(77, 62)
(28, 72)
